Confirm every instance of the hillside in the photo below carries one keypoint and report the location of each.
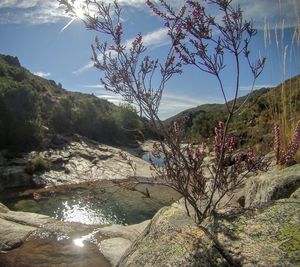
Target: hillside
(254, 123)
(33, 108)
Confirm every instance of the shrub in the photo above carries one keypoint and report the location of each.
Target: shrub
(38, 164)
(129, 73)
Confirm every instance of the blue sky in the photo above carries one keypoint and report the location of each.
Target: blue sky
(35, 31)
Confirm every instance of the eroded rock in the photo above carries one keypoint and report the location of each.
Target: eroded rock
(273, 185)
(72, 161)
(262, 237)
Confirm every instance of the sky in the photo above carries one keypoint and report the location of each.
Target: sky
(50, 44)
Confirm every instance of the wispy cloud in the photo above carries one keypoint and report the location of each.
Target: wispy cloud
(18, 3)
(271, 11)
(113, 98)
(30, 12)
(99, 86)
(83, 68)
(42, 74)
(49, 11)
(155, 38)
(172, 104)
(256, 87)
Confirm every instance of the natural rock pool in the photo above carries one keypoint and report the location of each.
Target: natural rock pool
(104, 203)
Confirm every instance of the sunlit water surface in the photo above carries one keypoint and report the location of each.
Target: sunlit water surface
(100, 205)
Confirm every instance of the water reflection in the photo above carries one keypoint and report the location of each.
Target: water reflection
(98, 206)
(159, 161)
(48, 252)
(78, 242)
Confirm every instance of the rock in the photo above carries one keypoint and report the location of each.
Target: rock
(3, 208)
(114, 248)
(13, 234)
(27, 218)
(86, 161)
(33, 240)
(18, 162)
(167, 241)
(296, 194)
(263, 237)
(120, 238)
(59, 140)
(73, 161)
(273, 185)
(14, 176)
(130, 232)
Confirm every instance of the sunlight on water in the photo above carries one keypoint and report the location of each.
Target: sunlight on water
(78, 242)
(109, 205)
(97, 206)
(85, 213)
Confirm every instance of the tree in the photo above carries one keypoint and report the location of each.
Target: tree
(197, 39)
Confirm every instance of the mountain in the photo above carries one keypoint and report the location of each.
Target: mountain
(254, 123)
(32, 108)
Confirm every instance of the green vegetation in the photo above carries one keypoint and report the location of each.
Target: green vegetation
(32, 108)
(253, 124)
(38, 164)
(290, 237)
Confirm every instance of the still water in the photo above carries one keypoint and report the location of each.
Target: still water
(100, 204)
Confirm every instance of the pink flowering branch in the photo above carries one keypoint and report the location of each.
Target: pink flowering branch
(284, 157)
(130, 72)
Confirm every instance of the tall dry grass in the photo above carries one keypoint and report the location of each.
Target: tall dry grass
(284, 107)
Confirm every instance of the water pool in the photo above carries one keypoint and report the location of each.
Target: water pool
(98, 204)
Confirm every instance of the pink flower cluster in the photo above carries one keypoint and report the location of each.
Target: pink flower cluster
(196, 154)
(293, 146)
(118, 33)
(230, 141)
(250, 157)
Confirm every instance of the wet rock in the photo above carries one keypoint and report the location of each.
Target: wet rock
(273, 185)
(13, 234)
(33, 240)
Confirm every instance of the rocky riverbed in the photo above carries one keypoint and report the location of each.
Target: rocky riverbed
(71, 161)
(261, 228)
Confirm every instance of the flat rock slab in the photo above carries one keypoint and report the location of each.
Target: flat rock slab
(87, 161)
(114, 248)
(13, 234)
(130, 232)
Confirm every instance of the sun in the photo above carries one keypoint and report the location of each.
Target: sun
(79, 13)
(79, 10)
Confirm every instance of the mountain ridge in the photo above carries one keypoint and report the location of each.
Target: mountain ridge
(255, 121)
(32, 107)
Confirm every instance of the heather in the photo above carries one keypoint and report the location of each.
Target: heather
(217, 185)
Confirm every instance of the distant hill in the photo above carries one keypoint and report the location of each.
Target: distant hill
(32, 108)
(254, 123)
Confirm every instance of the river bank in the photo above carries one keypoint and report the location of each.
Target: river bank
(262, 230)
